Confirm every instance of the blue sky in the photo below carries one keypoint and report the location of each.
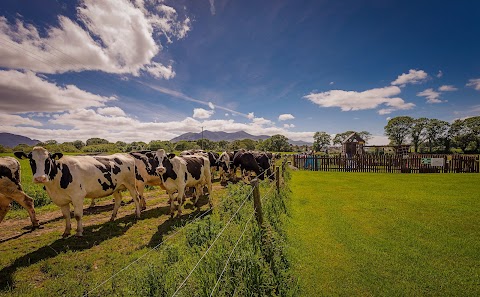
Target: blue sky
(151, 69)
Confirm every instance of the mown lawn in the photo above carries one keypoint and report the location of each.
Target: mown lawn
(369, 234)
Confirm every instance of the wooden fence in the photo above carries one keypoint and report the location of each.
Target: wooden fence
(412, 163)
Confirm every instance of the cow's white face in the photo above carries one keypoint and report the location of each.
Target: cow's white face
(224, 160)
(161, 155)
(41, 163)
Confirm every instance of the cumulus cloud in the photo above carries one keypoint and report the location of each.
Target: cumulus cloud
(26, 92)
(16, 120)
(412, 77)
(114, 36)
(111, 111)
(474, 83)
(431, 95)
(288, 126)
(212, 6)
(369, 99)
(440, 73)
(285, 117)
(331, 83)
(201, 113)
(85, 123)
(211, 105)
(447, 88)
(251, 115)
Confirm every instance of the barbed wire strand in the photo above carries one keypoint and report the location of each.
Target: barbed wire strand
(158, 245)
(214, 241)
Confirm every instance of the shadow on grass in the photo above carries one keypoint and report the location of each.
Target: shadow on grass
(93, 235)
(86, 211)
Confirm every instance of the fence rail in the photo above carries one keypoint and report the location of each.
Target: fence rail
(413, 163)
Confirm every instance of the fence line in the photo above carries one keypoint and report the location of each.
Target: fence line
(412, 163)
(154, 248)
(215, 240)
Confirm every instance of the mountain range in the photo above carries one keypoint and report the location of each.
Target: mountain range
(12, 140)
(217, 136)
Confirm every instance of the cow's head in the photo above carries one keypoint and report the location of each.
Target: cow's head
(42, 163)
(224, 162)
(163, 161)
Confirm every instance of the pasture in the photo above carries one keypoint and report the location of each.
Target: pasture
(153, 255)
(370, 234)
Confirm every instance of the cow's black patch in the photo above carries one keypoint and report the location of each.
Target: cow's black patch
(194, 167)
(107, 170)
(246, 161)
(51, 168)
(169, 172)
(66, 178)
(33, 165)
(138, 176)
(6, 172)
(118, 161)
(149, 160)
(186, 176)
(116, 169)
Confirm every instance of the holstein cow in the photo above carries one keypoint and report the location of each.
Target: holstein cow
(224, 163)
(212, 157)
(177, 173)
(145, 173)
(71, 179)
(11, 190)
(246, 161)
(264, 163)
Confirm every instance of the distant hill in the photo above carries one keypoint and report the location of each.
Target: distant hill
(217, 136)
(12, 140)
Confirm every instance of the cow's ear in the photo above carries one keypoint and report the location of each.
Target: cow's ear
(171, 155)
(149, 155)
(20, 155)
(57, 156)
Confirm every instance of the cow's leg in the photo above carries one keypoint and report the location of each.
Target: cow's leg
(26, 202)
(4, 206)
(209, 186)
(198, 190)
(181, 192)
(172, 204)
(134, 194)
(78, 213)
(118, 200)
(140, 189)
(66, 214)
(92, 203)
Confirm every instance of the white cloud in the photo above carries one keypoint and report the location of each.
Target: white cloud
(369, 99)
(201, 113)
(286, 126)
(212, 7)
(226, 114)
(26, 92)
(431, 95)
(111, 111)
(440, 73)
(474, 83)
(211, 105)
(251, 115)
(447, 88)
(16, 120)
(113, 36)
(86, 123)
(412, 77)
(285, 117)
(331, 83)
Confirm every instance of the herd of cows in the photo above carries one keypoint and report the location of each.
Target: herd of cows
(71, 179)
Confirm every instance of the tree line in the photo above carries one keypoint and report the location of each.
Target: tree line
(277, 143)
(424, 134)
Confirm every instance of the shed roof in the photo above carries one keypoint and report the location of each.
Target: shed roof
(352, 137)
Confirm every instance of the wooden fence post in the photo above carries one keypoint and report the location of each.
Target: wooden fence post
(257, 203)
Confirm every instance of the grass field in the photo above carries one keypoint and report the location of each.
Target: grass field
(368, 234)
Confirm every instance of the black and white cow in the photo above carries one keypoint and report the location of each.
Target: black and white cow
(145, 173)
(265, 165)
(11, 189)
(212, 157)
(247, 163)
(177, 173)
(71, 179)
(224, 163)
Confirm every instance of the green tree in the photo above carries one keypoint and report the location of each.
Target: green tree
(461, 135)
(473, 126)
(78, 144)
(160, 144)
(183, 145)
(365, 135)
(206, 144)
(321, 140)
(22, 148)
(434, 131)
(341, 137)
(222, 144)
(277, 143)
(398, 129)
(96, 140)
(417, 132)
(4, 149)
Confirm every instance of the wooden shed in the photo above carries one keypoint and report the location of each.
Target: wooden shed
(353, 145)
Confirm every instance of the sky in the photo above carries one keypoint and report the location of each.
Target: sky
(147, 70)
